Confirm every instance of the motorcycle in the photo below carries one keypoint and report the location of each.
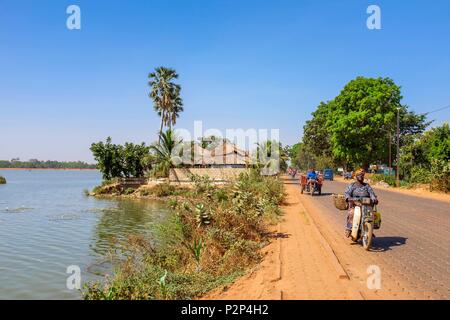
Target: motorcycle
(364, 216)
(347, 175)
(311, 185)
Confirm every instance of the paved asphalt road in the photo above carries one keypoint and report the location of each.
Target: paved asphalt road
(412, 248)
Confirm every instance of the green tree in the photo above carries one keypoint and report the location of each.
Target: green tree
(301, 157)
(108, 157)
(115, 161)
(364, 107)
(165, 94)
(176, 109)
(134, 159)
(425, 158)
(167, 153)
(356, 127)
(316, 136)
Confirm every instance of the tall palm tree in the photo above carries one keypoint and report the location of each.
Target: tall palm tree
(165, 95)
(175, 110)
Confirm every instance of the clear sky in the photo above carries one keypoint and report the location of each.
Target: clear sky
(242, 64)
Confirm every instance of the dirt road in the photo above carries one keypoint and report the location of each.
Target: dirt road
(310, 257)
(298, 263)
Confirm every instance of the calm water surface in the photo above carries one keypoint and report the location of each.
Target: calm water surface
(48, 224)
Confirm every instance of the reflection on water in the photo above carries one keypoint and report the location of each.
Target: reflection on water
(124, 218)
(47, 224)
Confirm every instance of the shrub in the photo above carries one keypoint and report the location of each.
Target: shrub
(420, 175)
(128, 191)
(163, 190)
(2, 180)
(440, 173)
(390, 180)
(99, 190)
(201, 183)
(221, 195)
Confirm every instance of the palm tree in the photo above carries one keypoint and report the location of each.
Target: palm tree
(165, 95)
(165, 152)
(175, 111)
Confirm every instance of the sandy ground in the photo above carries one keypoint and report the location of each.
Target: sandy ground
(298, 264)
(417, 192)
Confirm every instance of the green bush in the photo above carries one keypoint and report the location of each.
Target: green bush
(163, 190)
(99, 190)
(201, 183)
(2, 180)
(440, 173)
(128, 191)
(420, 175)
(390, 180)
(221, 195)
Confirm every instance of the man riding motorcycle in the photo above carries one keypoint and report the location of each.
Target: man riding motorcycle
(354, 190)
(312, 175)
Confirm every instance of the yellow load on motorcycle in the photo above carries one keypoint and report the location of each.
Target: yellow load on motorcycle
(339, 201)
(377, 220)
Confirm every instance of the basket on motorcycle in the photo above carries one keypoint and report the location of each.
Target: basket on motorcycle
(339, 202)
(377, 220)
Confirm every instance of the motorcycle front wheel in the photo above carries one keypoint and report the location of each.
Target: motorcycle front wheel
(367, 235)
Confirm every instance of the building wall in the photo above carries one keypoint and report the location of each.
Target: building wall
(217, 174)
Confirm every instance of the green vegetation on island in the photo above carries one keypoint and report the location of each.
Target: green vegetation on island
(49, 164)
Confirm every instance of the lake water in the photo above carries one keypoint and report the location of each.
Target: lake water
(47, 224)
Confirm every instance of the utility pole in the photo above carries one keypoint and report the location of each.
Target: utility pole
(390, 153)
(390, 138)
(398, 147)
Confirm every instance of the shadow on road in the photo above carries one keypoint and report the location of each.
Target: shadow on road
(325, 194)
(381, 244)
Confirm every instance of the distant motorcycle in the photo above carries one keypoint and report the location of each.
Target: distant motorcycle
(311, 185)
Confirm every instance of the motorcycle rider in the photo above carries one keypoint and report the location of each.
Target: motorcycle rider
(312, 175)
(357, 189)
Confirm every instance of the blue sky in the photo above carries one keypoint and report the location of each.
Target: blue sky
(242, 64)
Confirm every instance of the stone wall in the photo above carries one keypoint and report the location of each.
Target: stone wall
(182, 175)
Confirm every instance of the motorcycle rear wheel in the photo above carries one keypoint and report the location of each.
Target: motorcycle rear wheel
(367, 235)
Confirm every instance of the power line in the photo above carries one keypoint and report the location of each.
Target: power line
(437, 110)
